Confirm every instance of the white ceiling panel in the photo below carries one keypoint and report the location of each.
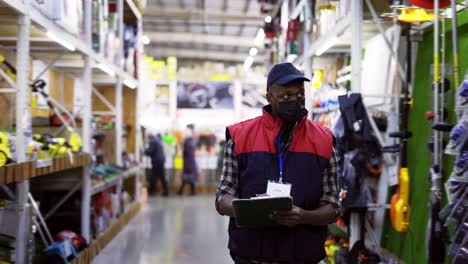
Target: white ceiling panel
(185, 45)
(231, 30)
(178, 28)
(170, 3)
(215, 30)
(250, 32)
(199, 46)
(212, 47)
(188, 3)
(214, 5)
(210, 28)
(236, 6)
(254, 8)
(196, 29)
(161, 28)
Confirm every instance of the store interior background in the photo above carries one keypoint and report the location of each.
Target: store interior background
(205, 62)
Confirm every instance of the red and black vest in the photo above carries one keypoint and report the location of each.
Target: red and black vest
(308, 155)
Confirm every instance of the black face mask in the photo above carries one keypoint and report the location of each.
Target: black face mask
(291, 111)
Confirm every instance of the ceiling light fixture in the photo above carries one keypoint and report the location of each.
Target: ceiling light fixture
(248, 62)
(253, 52)
(105, 68)
(145, 39)
(259, 38)
(60, 41)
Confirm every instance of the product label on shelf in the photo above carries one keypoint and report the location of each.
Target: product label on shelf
(41, 163)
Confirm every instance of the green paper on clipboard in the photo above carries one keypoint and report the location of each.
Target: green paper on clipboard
(257, 211)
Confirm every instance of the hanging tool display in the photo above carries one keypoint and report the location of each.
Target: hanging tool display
(456, 65)
(359, 150)
(400, 208)
(435, 244)
(456, 210)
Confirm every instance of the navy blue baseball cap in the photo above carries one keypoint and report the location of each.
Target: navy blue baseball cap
(284, 73)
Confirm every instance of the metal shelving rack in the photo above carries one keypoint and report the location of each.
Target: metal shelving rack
(353, 21)
(27, 17)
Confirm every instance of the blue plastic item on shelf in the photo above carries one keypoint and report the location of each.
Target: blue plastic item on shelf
(61, 252)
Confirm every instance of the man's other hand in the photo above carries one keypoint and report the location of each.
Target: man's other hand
(290, 218)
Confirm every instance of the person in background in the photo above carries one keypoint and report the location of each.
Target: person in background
(190, 170)
(281, 146)
(169, 146)
(156, 152)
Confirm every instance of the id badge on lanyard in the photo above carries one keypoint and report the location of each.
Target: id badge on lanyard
(279, 188)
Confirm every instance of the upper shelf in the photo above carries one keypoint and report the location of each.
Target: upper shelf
(47, 25)
(327, 41)
(339, 39)
(17, 172)
(122, 176)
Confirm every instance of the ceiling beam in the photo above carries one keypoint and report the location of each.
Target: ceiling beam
(166, 21)
(185, 37)
(242, 27)
(185, 21)
(198, 13)
(196, 22)
(224, 8)
(199, 54)
(246, 6)
(32, 39)
(225, 5)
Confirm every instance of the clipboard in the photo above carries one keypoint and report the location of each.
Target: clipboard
(257, 211)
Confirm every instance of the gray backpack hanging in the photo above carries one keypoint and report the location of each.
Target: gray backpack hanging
(356, 146)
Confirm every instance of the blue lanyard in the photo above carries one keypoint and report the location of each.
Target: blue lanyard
(281, 158)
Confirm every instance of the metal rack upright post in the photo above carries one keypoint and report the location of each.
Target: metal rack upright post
(23, 126)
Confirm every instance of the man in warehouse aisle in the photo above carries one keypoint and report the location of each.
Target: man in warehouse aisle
(190, 171)
(158, 173)
(283, 145)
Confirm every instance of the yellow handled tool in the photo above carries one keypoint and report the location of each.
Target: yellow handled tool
(400, 209)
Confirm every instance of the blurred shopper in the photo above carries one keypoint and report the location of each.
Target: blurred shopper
(281, 146)
(190, 170)
(170, 147)
(156, 152)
